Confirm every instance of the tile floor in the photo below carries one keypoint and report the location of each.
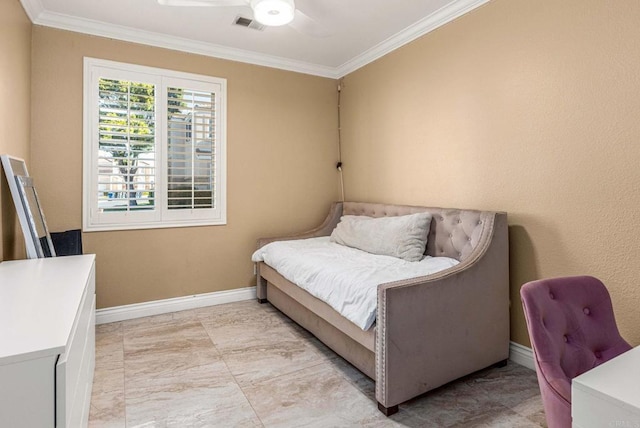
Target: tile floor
(246, 365)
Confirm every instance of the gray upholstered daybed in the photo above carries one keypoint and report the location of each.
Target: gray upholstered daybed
(429, 330)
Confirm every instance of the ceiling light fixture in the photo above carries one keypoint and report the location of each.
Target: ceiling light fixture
(273, 12)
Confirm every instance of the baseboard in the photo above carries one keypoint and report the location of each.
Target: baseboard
(156, 307)
(522, 355)
(519, 354)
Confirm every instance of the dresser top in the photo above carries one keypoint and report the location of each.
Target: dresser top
(39, 300)
(616, 381)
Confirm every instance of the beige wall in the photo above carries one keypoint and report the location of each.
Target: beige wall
(15, 87)
(527, 107)
(530, 107)
(282, 133)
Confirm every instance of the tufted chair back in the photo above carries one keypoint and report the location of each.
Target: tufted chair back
(572, 329)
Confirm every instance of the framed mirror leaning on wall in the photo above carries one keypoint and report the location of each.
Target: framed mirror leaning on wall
(25, 198)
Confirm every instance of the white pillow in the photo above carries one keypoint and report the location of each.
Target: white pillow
(404, 236)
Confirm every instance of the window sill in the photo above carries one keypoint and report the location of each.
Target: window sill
(140, 226)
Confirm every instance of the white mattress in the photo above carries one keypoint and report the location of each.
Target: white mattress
(343, 277)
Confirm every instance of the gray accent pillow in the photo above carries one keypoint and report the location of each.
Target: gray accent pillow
(403, 236)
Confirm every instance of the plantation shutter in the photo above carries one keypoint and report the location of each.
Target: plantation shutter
(126, 145)
(191, 145)
(154, 148)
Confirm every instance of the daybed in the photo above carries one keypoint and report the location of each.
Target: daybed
(429, 330)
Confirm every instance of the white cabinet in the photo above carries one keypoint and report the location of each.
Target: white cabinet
(47, 341)
(608, 395)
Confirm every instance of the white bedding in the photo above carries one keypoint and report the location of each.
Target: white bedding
(343, 277)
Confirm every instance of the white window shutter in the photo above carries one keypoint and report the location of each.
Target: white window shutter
(155, 145)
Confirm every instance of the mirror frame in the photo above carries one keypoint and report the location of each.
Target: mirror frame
(29, 213)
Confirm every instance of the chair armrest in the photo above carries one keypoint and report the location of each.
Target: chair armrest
(434, 329)
(325, 229)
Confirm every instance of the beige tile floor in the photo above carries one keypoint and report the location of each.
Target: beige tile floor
(246, 365)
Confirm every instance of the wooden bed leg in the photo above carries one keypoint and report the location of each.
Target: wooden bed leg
(262, 300)
(388, 411)
(500, 364)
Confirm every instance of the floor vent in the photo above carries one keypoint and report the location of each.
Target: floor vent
(248, 22)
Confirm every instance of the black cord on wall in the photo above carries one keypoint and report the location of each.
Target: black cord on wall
(339, 163)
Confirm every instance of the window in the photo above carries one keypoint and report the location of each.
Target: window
(154, 148)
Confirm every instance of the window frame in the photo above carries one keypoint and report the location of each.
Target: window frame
(161, 216)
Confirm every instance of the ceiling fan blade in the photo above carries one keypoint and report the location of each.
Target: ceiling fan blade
(307, 25)
(205, 3)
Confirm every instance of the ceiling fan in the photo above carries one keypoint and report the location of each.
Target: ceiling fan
(272, 13)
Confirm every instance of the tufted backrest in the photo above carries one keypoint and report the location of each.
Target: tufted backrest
(454, 233)
(572, 329)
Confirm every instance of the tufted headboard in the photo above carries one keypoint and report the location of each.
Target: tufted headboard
(454, 233)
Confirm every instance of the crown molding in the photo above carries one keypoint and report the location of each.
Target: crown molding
(40, 16)
(429, 23)
(128, 34)
(33, 8)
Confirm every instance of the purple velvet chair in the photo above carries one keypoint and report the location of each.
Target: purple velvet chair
(572, 330)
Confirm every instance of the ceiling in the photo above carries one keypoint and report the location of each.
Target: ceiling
(354, 32)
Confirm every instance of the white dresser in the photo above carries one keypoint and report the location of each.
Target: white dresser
(608, 395)
(47, 341)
